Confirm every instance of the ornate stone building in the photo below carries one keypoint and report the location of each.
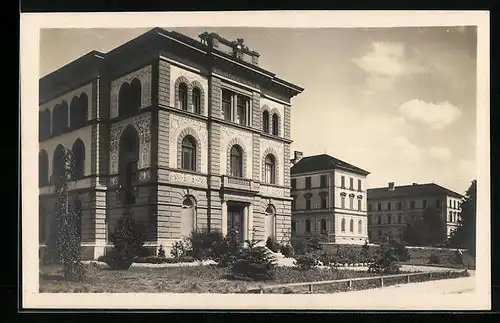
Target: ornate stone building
(185, 134)
(392, 208)
(329, 199)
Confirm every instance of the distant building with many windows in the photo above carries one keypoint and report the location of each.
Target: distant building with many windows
(329, 199)
(182, 133)
(392, 208)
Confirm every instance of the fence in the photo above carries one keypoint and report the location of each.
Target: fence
(349, 281)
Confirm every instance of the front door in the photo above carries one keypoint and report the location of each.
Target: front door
(235, 221)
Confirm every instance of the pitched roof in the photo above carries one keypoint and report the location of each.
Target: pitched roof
(414, 190)
(324, 162)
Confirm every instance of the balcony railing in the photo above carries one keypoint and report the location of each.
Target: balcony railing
(238, 183)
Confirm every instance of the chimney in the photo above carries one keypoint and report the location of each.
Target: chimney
(415, 184)
(391, 186)
(297, 155)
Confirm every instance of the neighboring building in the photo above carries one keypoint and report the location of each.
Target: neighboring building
(391, 208)
(185, 134)
(329, 199)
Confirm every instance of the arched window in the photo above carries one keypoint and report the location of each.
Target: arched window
(188, 157)
(188, 216)
(60, 124)
(135, 95)
(270, 169)
(58, 163)
(275, 125)
(323, 225)
(78, 111)
(236, 162)
(360, 227)
(342, 201)
(265, 121)
(183, 96)
(43, 168)
(77, 204)
(44, 124)
(73, 111)
(124, 99)
(342, 225)
(308, 225)
(129, 155)
(351, 225)
(78, 166)
(196, 99)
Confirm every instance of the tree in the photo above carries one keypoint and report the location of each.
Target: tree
(428, 230)
(464, 236)
(66, 239)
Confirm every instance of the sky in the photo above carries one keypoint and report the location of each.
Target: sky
(398, 102)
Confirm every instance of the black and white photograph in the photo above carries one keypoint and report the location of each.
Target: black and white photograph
(331, 160)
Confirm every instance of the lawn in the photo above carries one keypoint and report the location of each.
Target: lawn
(195, 279)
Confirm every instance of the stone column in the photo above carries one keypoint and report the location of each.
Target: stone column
(224, 217)
(250, 221)
(245, 223)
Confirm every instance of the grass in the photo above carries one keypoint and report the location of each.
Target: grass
(195, 279)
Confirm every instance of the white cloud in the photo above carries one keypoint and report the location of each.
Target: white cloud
(435, 116)
(441, 153)
(406, 149)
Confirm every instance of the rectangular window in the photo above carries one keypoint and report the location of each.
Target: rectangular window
(242, 107)
(389, 219)
(400, 219)
(454, 204)
(359, 204)
(226, 104)
(379, 233)
(342, 202)
(438, 204)
(425, 204)
(369, 206)
(359, 185)
(323, 181)
(294, 183)
(351, 203)
(308, 203)
(412, 204)
(323, 202)
(342, 182)
(379, 206)
(351, 183)
(389, 206)
(398, 205)
(379, 219)
(308, 182)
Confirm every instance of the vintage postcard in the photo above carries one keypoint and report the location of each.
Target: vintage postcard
(302, 160)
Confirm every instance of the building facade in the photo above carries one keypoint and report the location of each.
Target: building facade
(392, 208)
(329, 199)
(184, 134)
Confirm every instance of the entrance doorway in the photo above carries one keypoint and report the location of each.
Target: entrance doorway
(235, 219)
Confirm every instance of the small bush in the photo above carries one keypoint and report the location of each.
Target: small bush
(387, 259)
(313, 245)
(206, 244)
(434, 259)
(181, 248)
(272, 245)
(161, 252)
(163, 260)
(306, 262)
(287, 251)
(128, 239)
(228, 250)
(254, 262)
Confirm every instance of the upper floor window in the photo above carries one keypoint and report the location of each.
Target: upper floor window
(308, 202)
(78, 110)
(454, 204)
(243, 104)
(412, 204)
(323, 225)
(236, 162)
(44, 124)
(400, 219)
(360, 227)
(359, 204)
(60, 119)
(351, 225)
(294, 202)
(183, 96)
(294, 183)
(129, 98)
(226, 105)
(323, 202)
(270, 169)
(275, 125)
(379, 219)
(59, 163)
(308, 225)
(323, 181)
(351, 202)
(398, 205)
(389, 206)
(369, 206)
(342, 225)
(188, 157)
(78, 165)
(342, 181)
(265, 121)
(351, 183)
(389, 219)
(379, 206)
(359, 185)
(196, 100)
(438, 204)
(308, 182)
(342, 201)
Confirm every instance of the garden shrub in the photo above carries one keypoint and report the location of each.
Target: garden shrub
(205, 244)
(387, 259)
(347, 255)
(254, 262)
(181, 248)
(434, 259)
(298, 246)
(163, 260)
(128, 238)
(161, 252)
(306, 262)
(287, 250)
(226, 252)
(272, 245)
(313, 245)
